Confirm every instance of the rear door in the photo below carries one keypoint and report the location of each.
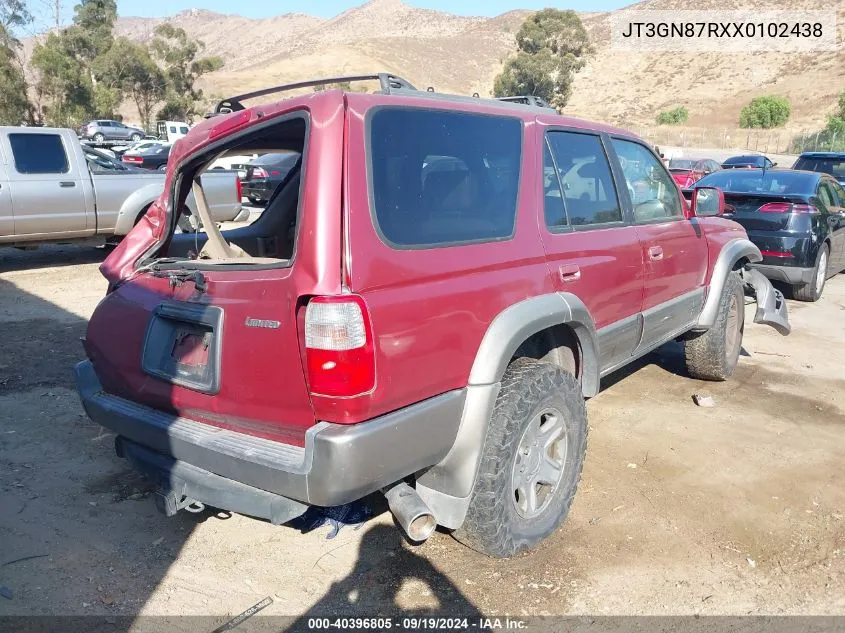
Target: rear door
(592, 249)
(674, 248)
(47, 186)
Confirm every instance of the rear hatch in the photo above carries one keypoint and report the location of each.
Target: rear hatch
(762, 212)
(219, 340)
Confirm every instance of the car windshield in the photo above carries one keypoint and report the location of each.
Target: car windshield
(679, 163)
(835, 166)
(765, 182)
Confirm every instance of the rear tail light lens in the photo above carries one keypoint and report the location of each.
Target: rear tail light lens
(786, 207)
(239, 189)
(783, 254)
(259, 172)
(340, 355)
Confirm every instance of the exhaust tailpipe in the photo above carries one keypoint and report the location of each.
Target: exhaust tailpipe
(411, 512)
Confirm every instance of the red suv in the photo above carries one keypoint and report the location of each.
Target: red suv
(421, 309)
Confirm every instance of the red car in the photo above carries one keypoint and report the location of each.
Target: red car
(688, 171)
(421, 309)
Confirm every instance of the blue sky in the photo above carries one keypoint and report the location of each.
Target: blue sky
(328, 8)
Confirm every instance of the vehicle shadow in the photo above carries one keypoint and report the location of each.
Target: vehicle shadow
(390, 579)
(79, 534)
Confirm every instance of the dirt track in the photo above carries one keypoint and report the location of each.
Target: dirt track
(731, 510)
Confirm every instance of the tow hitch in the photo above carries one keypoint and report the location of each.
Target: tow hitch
(771, 304)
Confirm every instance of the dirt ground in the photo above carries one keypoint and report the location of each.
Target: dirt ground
(736, 509)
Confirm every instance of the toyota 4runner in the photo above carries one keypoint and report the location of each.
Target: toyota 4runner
(421, 309)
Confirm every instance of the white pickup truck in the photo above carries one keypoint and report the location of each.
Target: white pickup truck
(52, 189)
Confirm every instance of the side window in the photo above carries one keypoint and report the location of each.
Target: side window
(440, 178)
(840, 193)
(653, 193)
(554, 209)
(173, 129)
(827, 196)
(183, 129)
(585, 178)
(38, 153)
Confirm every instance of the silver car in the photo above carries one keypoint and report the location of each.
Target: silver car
(108, 130)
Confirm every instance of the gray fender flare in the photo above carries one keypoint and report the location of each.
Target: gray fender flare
(132, 206)
(731, 253)
(446, 487)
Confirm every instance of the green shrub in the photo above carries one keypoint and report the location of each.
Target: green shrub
(765, 112)
(675, 116)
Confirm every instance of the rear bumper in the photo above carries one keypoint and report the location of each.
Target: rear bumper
(339, 463)
(793, 275)
(771, 305)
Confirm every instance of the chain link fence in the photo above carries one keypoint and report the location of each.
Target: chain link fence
(764, 141)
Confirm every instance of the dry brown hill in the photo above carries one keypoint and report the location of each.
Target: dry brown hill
(463, 55)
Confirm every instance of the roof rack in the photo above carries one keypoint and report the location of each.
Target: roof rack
(531, 100)
(387, 81)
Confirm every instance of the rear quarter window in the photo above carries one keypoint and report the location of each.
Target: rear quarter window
(440, 178)
(38, 153)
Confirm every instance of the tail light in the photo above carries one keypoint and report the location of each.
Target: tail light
(239, 189)
(784, 254)
(787, 207)
(339, 349)
(259, 172)
(132, 159)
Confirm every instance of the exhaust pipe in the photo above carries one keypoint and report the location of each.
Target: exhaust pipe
(411, 512)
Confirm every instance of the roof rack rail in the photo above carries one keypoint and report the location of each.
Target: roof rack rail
(531, 100)
(387, 81)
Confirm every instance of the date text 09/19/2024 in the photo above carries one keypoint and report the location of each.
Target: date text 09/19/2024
(418, 623)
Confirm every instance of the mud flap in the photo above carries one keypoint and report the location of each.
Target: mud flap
(771, 305)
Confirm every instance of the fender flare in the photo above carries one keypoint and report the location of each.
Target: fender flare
(731, 253)
(446, 487)
(134, 203)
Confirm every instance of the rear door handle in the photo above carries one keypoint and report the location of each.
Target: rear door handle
(67, 183)
(569, 273)
(655, 253)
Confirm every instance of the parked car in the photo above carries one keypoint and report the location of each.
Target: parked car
(265, 173)
(391, 326)
(795, 218)
(108, 130)
(687, 171)
(238, 162)
(120, 150)
(53, 189)
(753, 161)
(832, 163)
(149, 157)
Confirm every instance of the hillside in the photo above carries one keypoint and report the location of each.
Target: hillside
(463, 55)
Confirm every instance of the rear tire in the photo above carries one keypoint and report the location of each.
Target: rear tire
(714, 354)
(813, 291)
(538, 432)
(99, 138)
(135, 137)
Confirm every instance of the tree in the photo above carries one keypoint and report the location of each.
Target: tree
(765, 112)
(128, 69)
(552, 46)
(15, 106)
(178, 53)
(66, 63)
(675, 116)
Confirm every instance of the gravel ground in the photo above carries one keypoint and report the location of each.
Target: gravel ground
(735, 509)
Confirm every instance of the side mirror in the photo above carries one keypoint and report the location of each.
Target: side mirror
(707, 202)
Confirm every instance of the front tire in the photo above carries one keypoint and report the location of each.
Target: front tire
(135, 137)
(714, 354)
(99, 138)
(813, 291)
(531, 461)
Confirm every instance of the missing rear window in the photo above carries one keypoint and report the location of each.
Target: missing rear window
(239, 200)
